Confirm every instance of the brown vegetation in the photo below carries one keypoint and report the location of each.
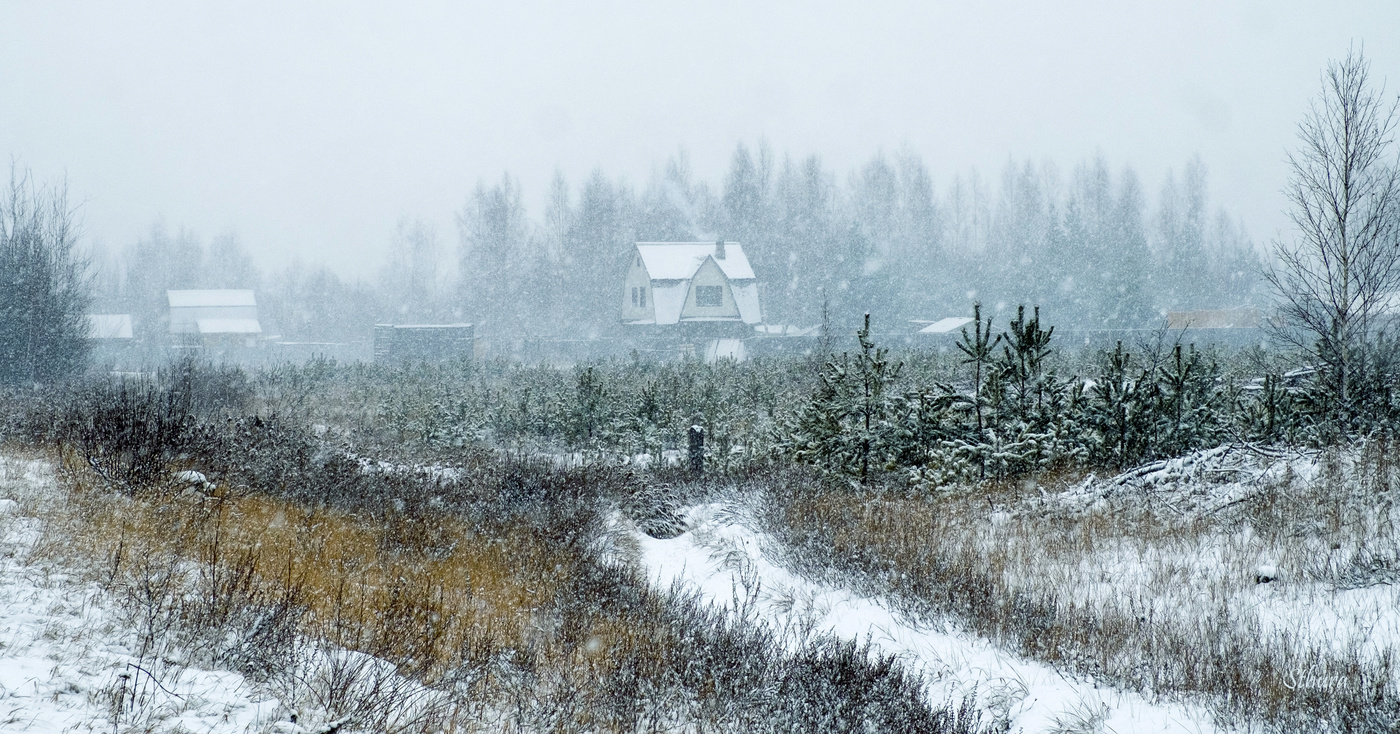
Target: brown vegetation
(1138, 590)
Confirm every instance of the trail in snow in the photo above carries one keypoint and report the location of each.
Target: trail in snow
(725, 560)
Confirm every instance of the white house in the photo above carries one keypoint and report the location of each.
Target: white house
(689, 282)
(228, 317)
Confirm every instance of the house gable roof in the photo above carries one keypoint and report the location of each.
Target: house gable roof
(680, 260)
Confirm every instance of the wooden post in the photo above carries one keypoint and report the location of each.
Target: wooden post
(697, 449)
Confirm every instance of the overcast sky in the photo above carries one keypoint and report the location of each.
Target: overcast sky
(310, 129)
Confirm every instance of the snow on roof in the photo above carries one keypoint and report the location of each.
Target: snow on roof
(667, 302)
(109, 326)
(207, 298)
(229, 326)
(746, 299)
(725, 349)
(943, 326)
(680, 260)
(787, 330)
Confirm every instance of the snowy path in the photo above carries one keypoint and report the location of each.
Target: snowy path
(724, 559)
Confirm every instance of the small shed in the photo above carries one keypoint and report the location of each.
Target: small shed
(422, 342)
(215, 317)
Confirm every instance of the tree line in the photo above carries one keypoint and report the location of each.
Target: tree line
(1087, 245)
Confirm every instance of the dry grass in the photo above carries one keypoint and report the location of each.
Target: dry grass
(475, 594)
(428, 594)
(489, 628)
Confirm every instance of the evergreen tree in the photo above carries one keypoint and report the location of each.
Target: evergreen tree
(1127, 303)
(1023, 369)
(1116, 410)
(919, 272)
(979, 352)
(1235, 265)
(854, 424)
(1188, 402)
(806, 233)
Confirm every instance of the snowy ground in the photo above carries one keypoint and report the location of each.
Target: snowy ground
(724, 559)
(66, 652)
(68, 658)
(1335, 586)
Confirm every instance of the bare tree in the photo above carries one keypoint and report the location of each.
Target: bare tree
(45, 284)
(1342, 264)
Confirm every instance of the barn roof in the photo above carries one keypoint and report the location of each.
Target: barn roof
(210, 298)
(680, 260)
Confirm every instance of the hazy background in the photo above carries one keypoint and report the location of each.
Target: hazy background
(310, 129)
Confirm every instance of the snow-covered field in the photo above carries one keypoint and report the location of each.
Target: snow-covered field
(75, 658)
(67, 655)
(1324, 549)
(724, 558)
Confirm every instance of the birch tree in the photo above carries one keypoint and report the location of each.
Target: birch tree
(1334, 276)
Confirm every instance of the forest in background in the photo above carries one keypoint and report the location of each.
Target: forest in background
(1090, 246)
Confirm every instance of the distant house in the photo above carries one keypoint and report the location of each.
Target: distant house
(214, 317)
(670, 283)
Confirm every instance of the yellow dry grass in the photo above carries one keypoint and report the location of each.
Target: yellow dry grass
(426, 593)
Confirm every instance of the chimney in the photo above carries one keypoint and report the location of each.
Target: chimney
(719, 249)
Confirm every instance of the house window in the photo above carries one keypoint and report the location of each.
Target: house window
(642, 293)
(634, 298)
(709, 296)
